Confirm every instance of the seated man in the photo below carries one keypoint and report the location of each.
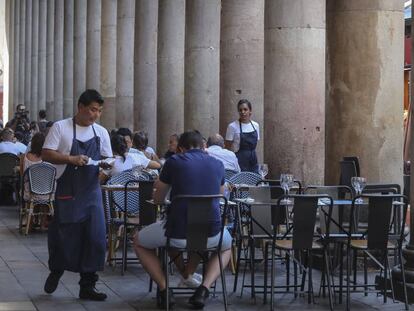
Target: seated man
(216, 149)
(8, 143)
(192, 172)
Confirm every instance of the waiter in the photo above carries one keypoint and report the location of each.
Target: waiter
(76, 237)
(242, 136)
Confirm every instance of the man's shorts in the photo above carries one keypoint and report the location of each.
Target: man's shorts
(153, 236)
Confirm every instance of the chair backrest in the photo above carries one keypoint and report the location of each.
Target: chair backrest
(118, 197)
(305, 208)
(41, 178)
(380, 210)
(147, 212)
(382, 188)
(407, 183)
(348, 170)
(8, 163)
(229, 173)
(356, 162)
(199, 211)
(243, 178)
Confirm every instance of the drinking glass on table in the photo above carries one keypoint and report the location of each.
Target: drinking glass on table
(286, 182)
(263, 170)
(358, 183)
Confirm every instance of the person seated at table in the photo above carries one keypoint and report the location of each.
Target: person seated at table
(140, 143)
(172, 146)
(9, 144)
(216, 149)
(192, 172)
(125, 160)
(127, 134)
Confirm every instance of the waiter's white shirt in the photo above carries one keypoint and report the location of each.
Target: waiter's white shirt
(60, 139)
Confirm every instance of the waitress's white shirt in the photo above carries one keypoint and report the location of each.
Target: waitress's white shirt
(60, 139)
(233, 132)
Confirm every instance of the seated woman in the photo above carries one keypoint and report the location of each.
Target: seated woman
(125, 160)
(140, 143)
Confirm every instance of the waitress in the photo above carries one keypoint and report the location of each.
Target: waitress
(76, 237)
(242, 136)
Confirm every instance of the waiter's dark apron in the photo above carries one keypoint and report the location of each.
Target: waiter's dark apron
(76, 236)
(247, 151)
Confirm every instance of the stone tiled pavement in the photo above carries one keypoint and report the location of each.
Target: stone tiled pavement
(23, 270)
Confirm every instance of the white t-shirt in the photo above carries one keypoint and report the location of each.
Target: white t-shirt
(131, 160)
(233, 132)
(148, 149)
(60, 138)
(16, 148)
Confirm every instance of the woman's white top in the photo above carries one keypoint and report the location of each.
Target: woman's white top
(131, 160)
(233, 132)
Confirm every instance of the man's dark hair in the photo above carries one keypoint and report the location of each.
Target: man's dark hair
(190, 139)
(215, 140)
(90, 96)
(18, 107)
(36, 145)
(140, 140)
(42, 114)
(124, 131)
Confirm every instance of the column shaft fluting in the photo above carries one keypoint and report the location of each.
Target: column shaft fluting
(16, 63)
(108, 62)
(295, 88)
(10, 7)
(202, 66)
(34, 62)
(170, 63)
(68, 59)
(42, 54)
(58, 59)
(365, 88)
(93, 42)
(79, 51)
(22, 49)
(242, 61)
(125, 64)
(145, 68)
(28, 55)
(50, 38)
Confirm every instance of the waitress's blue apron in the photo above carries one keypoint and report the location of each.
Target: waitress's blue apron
(247, 151)
(76, 236)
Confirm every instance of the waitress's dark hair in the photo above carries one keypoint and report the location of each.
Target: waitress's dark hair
(90, 96)
(244, 101)
(36, 144)
(119, 145)
(140, 140)
(190, 139)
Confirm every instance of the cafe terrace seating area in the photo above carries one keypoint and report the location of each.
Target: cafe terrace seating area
(313, 239)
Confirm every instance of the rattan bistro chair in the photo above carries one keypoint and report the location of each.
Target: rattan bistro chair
(198, 215)
(37, 190)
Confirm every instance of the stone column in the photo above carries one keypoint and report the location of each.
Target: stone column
(365, 94)
(93, 42)
(125, 64)
(50, 97)
(170, 67)
(202, 66)
(22, 49)
(68, 59)
(294, 118)
(108, 62)
(10, 15)
(42, 54)
(79, 52)
(34, 62)
(28, 55)
(242, 61)
(145, 68)
(58, 59)
(16, 63)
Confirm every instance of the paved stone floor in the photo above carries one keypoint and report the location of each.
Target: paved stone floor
(23, 270)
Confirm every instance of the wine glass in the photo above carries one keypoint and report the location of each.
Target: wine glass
(263, 170)
(358, 183)
(286, 182)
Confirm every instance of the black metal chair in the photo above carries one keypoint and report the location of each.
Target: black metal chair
(356, 162)
(9, 176)
(348, 170)
(302, 238)
(199, 209)
(380, 236)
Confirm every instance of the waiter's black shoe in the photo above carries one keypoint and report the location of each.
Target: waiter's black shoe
(90, 293)
(199, 297)
(162, 299)
(52, 282)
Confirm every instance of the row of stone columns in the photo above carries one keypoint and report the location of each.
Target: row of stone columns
(164, 66)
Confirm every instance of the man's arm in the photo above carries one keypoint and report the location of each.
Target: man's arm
(55, 157)
(160, 191)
